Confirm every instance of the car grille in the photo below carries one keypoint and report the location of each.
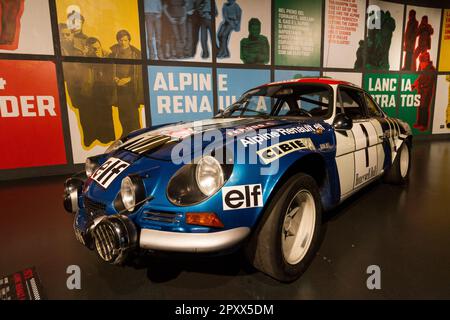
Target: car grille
(167, 217)
(93, 207)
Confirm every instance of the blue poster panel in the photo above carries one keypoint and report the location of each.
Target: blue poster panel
(180, 94)
(232, 83)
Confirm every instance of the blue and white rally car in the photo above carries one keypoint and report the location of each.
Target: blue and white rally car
(259, 175)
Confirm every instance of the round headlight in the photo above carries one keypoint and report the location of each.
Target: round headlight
(128, 193)
(90, 166)
(209, 175)
(114, 146)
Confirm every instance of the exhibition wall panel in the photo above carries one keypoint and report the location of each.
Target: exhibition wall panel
(75, 75)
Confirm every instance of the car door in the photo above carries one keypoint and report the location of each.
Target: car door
(377, 119)
(358, 145)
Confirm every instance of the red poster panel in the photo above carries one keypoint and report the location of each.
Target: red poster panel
(30, 115)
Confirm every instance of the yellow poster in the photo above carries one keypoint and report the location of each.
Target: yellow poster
(444, 61)
(100, 108)
(100, 28)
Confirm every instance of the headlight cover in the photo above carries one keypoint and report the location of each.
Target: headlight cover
(194, 183)
(132, 193)
(209, 175)
(114, 146)
(90, 166)
(128, 194)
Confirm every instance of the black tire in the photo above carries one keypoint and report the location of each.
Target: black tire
(394, 173)
(264, 248)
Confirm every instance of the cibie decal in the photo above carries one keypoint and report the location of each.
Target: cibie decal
(281, 149)
(242, 197)
(259, 138)
(108, 171)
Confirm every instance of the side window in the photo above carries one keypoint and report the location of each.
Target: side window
(284, 109)
(313, 100)
(351, 102)
(372, 108)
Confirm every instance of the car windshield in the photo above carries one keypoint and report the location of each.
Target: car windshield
(288, 100)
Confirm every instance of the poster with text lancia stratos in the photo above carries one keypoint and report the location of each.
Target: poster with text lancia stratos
(441, 119)
(383, 87)
(25, 27)
(420, 37)
(344, 33)
(243, 31)
(383, 43)
(298, 32)
(30, 116)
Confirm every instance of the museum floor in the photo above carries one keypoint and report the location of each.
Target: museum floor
(405, 231)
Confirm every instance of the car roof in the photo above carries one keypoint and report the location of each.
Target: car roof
(321, 80)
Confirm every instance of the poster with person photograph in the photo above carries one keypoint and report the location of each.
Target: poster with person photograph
(31, 133)
(25, 27)
(232, 83)
(383, 44)
(383, 87)
(416, 101)
(243, 31)
(105, 102)
(298, 32)
(420, 37)
(352, 77)
(441, 118)
(344, 33)
(180, 94)
(179, 29)
(101, 28)
(444, 54)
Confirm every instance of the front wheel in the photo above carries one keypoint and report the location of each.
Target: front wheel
(287, 239)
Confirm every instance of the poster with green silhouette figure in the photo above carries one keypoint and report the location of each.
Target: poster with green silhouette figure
(383, 38)
(298, 27)
(255, 49)
(243, 31)
(383, 88)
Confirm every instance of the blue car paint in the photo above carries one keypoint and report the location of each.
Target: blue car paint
(156, 171)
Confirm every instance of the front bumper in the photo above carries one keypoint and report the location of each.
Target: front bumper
(192, 242)
(115, 237)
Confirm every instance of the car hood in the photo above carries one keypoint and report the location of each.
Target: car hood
(172, 142)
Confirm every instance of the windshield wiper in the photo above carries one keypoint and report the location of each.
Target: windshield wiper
(256, 111)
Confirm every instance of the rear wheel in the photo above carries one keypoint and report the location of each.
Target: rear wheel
(399, 171)
(287, 239)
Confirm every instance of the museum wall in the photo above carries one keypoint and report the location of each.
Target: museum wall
(75, 75)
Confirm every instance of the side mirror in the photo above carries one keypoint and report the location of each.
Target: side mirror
(342, 122)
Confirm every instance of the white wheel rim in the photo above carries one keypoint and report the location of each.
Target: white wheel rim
(404, 161)
(298, 227)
